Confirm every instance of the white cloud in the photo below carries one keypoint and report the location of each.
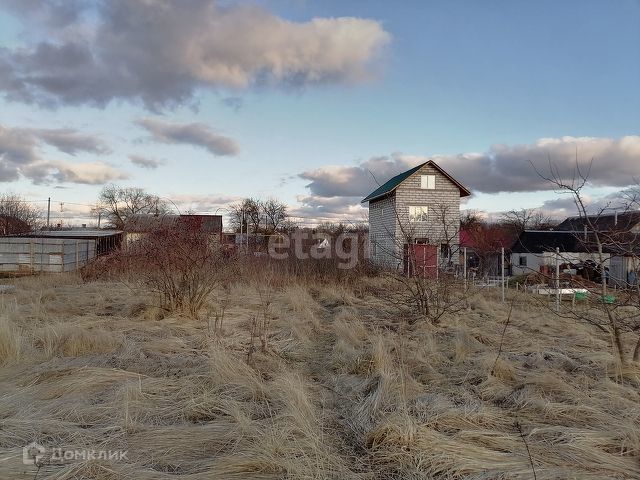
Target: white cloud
(90, 173)
(161, 51)
(204, 203)
(503, 168)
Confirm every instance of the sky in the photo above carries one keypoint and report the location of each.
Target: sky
(205, 102)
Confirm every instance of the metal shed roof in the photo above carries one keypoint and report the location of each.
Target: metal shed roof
(624, 220)
(83, 233)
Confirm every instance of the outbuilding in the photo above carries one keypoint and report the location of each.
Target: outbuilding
(55, 251)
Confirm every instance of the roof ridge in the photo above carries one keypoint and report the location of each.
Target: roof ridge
(393, 182)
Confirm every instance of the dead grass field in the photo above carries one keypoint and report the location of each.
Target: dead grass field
(345, 390)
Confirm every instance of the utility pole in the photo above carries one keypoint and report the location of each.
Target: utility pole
(48, 211)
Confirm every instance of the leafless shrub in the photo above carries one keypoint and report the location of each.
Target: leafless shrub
(429, 286)
(181, 266)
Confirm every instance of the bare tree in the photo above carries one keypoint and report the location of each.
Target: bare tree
(117, 204)
(470, 219)
(17, 215)
(257, 216)
(487, 239)
(275, 213)
(611, 315)
(526, 219)
(246, 215)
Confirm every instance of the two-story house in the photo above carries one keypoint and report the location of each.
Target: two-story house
(419, 206)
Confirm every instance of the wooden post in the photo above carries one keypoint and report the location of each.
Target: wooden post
(464, 266)
(502, 271)
(32, 253)
(557, 282)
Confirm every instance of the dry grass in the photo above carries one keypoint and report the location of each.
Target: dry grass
(10, 342)
(344, 390)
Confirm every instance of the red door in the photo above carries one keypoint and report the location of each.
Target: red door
(421, 259)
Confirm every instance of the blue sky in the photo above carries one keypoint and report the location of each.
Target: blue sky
(441, 80)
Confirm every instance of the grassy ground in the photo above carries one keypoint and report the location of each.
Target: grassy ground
(343, 389)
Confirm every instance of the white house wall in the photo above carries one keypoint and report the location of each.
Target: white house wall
(536, 260)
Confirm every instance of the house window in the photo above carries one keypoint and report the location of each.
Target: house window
(445, 251)
(522, 261)
(417, 213)
(428, 182)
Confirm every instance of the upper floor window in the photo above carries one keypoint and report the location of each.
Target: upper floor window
(417, 213)
(428, 182)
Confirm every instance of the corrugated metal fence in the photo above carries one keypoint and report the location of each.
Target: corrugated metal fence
(54, 255)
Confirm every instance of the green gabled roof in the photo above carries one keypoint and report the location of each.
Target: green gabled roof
(393, 183)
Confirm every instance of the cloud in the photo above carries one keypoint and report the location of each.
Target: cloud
(204, 203)
(21, 155)
(90, 173)
(234, 103)
(145, 162)
(20, 145)
(357, 180)
(17, 146)
(563, 206)
(503, 168)
(320, 209)
(51, 13)
(607, 161)
(70, 141)
(197, 134)
(161, 52)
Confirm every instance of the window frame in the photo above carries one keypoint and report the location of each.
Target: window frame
(428, 182)
(424, 214)
(522, 261)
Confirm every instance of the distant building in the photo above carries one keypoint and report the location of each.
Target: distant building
(137, 226)
(418, 207)
(625, 221)
(10, 225)
(535, 250)
(619, 234)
